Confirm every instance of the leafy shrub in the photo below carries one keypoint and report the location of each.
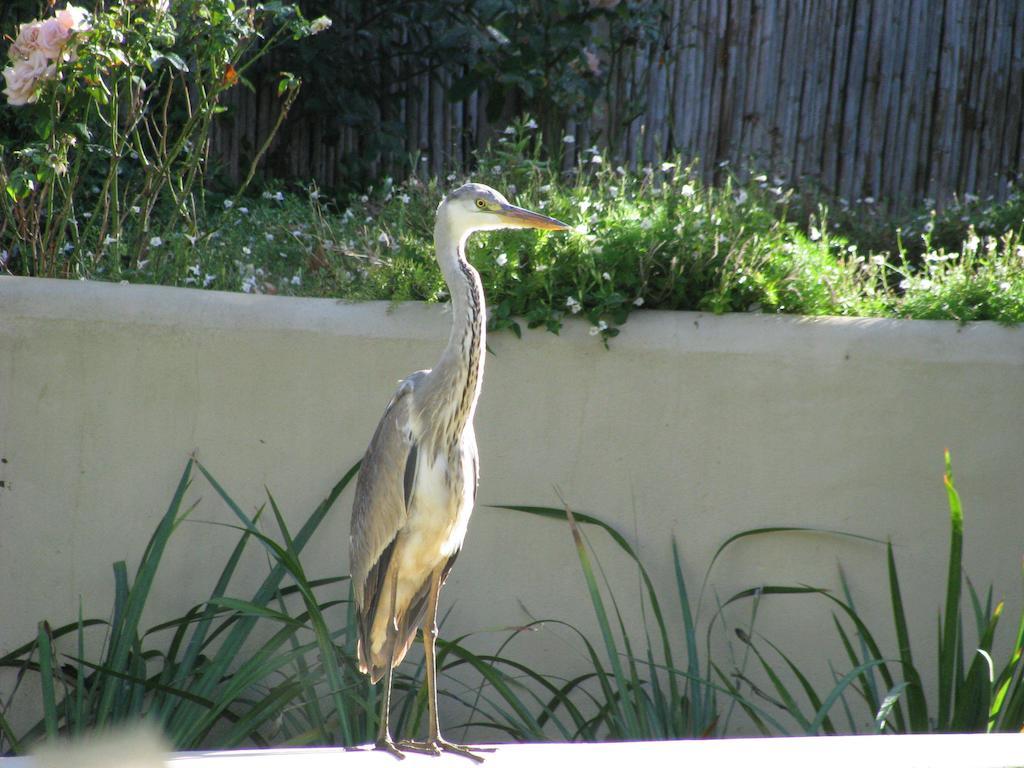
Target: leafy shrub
(979, 690)
(117, 122)
(657, 239)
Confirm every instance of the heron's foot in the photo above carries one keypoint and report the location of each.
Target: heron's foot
(439, 745)
(388, 745)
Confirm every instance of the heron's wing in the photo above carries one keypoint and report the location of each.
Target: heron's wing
(385, 481)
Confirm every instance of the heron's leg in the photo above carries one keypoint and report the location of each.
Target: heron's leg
(435, 743)
(384, 740)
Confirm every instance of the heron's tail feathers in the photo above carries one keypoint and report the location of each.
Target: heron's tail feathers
(375, 664)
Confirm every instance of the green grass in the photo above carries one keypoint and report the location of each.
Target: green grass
(250, 664)
(263, 664)
(647, 240)
(980, 686)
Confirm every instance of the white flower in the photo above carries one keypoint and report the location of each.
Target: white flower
(269, 237)
(194, 270)
(573, 305)
(450, 177)
(497, 169)
(597, 159)
(926, 284)
(51, 37)
(666, 167)
(541, 268)
(569, 138)
(135, 209)
(296, 279)
(24, 76)
(502, 259)
(596, 329)
(404, 198)
(229, 203)
(246, 250)
(687, 190)
(144, 263)
(26, 42)
(243, 210)
(646, 224)
(109, 240)
(155, 242)
(319, 25)
(508, 130)
(815, 234)
(208, 280)
(904, 284)
(740, 197)
(606, 276)
(638, 301)
(878, 261)
(531, 124)
(1004, 286)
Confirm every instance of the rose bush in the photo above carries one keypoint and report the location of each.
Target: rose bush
(120, 105)
(36, 50)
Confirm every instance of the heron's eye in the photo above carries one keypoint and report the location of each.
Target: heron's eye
(480, 203)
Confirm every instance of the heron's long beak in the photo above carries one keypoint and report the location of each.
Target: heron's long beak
(514, 216)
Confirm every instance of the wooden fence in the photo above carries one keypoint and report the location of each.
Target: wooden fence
(899, 100)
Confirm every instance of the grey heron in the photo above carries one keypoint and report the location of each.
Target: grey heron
(417, 483)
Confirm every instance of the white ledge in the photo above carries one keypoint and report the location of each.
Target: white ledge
(831, 339)
(921, 751)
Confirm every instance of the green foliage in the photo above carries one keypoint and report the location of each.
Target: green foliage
(652, 240)
(230, 672)
(641, 694)
(110, 150)
(978, 690)
(663, 240)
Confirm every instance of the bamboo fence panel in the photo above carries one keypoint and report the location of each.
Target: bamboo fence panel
(896, 100)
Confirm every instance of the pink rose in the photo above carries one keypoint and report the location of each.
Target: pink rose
(24, 76)
(72, 18)
(52, 37)
(27, 40)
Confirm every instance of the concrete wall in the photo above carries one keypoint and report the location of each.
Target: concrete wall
(692, 426)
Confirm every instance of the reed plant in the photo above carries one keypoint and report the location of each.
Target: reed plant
(979, 686)
(231, 671)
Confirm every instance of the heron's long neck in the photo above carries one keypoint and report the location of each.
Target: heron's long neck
(461, 368)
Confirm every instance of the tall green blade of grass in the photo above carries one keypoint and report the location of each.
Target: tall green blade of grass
(949, 660)
(625, 715)
(871, 692)
(46, 675)
(917, 706)
(1008, 701)
(702, 709)
(126, 624)
(187, 725)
